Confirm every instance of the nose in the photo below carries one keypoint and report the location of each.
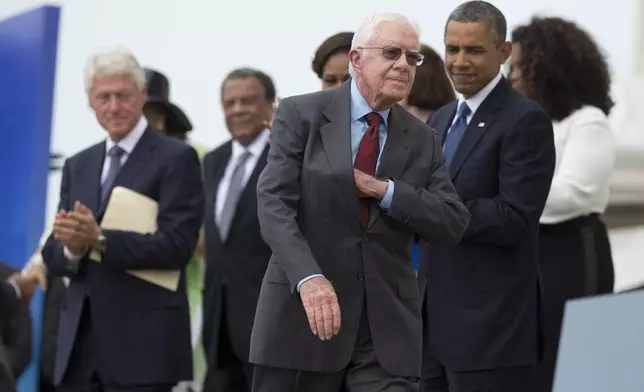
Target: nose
(461, 60)
(113, 104)
(402, 63)
(236, 108)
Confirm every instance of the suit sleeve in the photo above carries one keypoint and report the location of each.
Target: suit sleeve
(16, 330)
(19, 351)
(278, 196)
(435, 212)
(527, 163)
(53, 251)
(8, 301)
(181, 204)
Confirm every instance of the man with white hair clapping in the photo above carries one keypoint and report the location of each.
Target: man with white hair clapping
(119, 332)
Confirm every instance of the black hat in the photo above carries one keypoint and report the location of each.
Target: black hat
(159, 93)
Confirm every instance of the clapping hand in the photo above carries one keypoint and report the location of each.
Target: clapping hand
(77, 229)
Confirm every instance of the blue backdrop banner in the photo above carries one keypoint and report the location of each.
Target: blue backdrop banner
(28, 47)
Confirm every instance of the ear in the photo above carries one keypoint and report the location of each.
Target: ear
(355, 58)
(505, 50)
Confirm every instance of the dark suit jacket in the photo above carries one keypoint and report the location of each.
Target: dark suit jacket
(482, 296)
(141, 331)
(309, 215)
(17, 331)
(236, 265)
(8, 309)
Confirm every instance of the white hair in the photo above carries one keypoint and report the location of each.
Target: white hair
(363, 35)
(113, 62)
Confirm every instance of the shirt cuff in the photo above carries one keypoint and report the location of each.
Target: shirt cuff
(308, 278)
(72, 258)
(385, 203)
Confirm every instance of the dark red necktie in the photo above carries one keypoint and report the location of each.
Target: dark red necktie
(367, 158)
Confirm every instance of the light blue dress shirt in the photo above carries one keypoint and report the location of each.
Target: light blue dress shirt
(359, 109)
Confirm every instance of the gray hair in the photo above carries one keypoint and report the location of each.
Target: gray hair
(481, 11)
(114, 62)
(364, 33)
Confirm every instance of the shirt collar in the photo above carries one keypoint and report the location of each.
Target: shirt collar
(255, 148)
(360, 107)
(129, 141)
(477, 99)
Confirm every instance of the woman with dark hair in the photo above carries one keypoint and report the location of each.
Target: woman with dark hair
(431, 88)
(558, 65)
(331, 60)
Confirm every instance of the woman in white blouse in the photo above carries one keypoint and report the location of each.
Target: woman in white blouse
(558, 65)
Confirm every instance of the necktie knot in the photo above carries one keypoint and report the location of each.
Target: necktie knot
(464, 110)
(244, 156)
(116, 152)
(373, 119)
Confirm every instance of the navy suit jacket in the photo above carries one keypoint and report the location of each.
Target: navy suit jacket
(141, 331)
(482, 296)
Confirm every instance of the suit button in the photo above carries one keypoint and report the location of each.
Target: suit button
(365, 238)
(360, 278)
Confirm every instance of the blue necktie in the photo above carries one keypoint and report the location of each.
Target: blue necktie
(115, 155)
(456, 132)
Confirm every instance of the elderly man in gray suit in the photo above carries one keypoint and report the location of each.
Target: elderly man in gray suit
(351, 177)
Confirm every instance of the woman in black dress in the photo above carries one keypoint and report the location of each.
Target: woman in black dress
(558, 65)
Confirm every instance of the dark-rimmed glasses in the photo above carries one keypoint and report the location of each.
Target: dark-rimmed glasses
(393, 53)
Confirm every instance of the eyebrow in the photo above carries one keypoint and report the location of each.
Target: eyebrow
(392, 44)
(465, 46)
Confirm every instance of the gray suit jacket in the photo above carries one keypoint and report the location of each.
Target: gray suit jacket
(309, 215)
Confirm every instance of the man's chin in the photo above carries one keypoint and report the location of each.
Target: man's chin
(119, 130)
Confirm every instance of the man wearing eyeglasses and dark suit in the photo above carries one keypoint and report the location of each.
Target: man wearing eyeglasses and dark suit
(350, 177)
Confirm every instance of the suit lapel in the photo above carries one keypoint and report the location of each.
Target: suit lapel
(335, 132)
(394, 155)
(137, 162)
(443, 125)
(212, 181)
(483, 118)
(91, 175)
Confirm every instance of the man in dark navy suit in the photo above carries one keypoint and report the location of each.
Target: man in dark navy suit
(236, 254)
(118, 332)
(482, 303)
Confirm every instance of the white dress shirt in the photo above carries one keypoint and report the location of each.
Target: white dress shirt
(255, 148)
(475, 101)
(127, 144)
(585, 147)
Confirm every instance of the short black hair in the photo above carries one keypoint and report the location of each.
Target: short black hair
(246, 72)
(337, 43)
(481, 11)
(562, 67)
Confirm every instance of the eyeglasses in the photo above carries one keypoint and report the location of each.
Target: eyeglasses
(393, 53)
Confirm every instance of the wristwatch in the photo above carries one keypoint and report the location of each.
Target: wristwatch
(99, 244)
